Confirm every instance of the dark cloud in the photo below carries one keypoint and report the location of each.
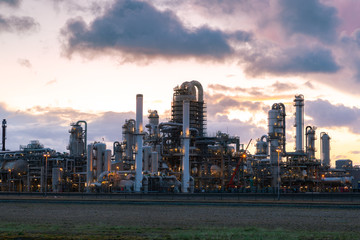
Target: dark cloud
(291, 61)
(354, 152)
(24, 62)
(12, 3)
(224, 104)
(325, 114)
(280, 86)
(285, 87)
(310, 17)
(17, 24)
(309, 85)
(351, 53)
(137, 29)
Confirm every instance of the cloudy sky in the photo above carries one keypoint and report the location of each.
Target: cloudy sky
(66, 60)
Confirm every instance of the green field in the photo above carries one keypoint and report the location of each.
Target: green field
(156, 221)
(51, 231)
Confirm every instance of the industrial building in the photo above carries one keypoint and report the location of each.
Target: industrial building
(178, 156)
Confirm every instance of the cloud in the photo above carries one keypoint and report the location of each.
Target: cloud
(223, 104)
(108, 126)
(50, 126)
(17, 24)
(280, 86)
(354, 152)
(11, 3)
(295, 60)
(24, 62)
(138, 30)
(309, 85)
(351, 52)
(310, 18)
(52, 82)
(325, 114)
(235, 127)
(73, 6)
(253, 94)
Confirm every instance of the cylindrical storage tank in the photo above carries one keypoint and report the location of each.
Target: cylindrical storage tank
(261, 147)
(299, 122)
(118, 151)
(107, 160)
(129, 138)
(325, 149)
(274, 115)
(90, 159)
(100, 158)
(310, 140)
(153, 118)
(76, 142)
(56, 179)
(186, 147)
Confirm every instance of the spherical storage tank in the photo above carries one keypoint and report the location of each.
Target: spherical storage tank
(16, 167)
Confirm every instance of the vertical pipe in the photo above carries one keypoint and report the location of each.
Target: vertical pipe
(299, 122)
(89, 175)
(139, 142)
(3, 134)
(186, 146)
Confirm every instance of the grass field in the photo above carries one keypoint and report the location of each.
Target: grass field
(52, 231)
(120, 221)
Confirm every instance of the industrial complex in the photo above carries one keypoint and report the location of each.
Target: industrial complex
(178, 156)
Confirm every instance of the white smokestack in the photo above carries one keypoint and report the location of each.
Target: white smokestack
(299, 122)
(186, 145)
(139, 142)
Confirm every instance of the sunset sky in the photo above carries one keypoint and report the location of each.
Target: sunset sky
(68, 60)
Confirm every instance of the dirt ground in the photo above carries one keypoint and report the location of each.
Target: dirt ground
(162, 216)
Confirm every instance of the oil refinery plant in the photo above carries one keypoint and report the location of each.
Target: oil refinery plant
(178, 156)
